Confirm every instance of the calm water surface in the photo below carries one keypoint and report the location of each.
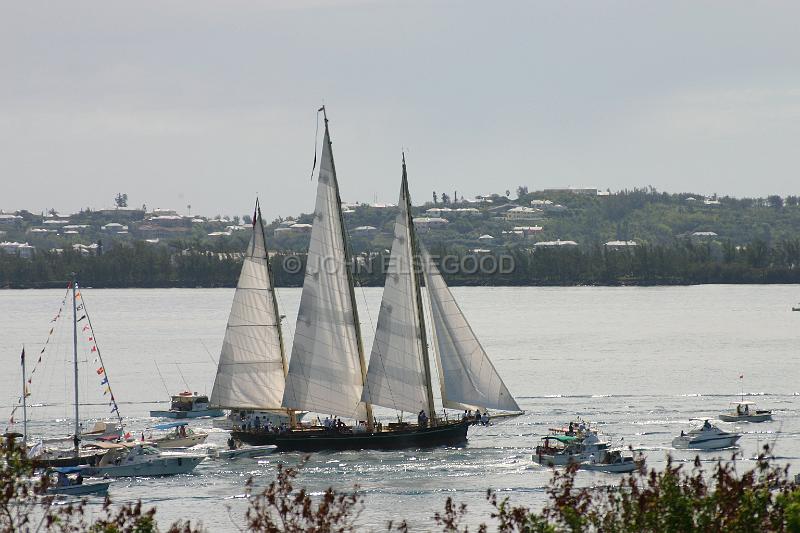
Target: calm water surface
(639, 362)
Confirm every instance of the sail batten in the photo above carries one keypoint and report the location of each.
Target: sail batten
(250, 373)
(396, 376)
(467, 376)
(325, 372)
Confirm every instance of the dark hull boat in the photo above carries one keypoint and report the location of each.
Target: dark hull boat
(313, 440)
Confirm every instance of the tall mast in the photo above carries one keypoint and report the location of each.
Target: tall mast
(415, 264)
(349, 259)
(278, 323)
(76, 438)
(24, 404)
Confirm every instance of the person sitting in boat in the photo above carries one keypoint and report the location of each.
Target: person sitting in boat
(257, 424)
(477, 416)
(465, 415)
(571, 429)
(683, 433)
(79, 479)
(231, 443)
(485, 418)
(739, 410)
(706, 425)
(62, 480)
(469, 415)
(746, 409)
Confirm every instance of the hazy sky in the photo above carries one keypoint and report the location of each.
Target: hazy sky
(208, 103)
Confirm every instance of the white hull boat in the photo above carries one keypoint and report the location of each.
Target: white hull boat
(614, 463)
(746, 412)
(706, 437)
(143, 460)
(182, 437)
(246, 452)
(561, 450)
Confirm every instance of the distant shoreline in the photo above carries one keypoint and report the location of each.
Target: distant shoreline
(453, 283)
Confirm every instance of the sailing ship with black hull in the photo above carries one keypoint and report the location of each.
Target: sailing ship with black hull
(328, 372)
(251, 373)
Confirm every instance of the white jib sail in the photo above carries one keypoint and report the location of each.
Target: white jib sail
(467, 376)
(324, 370)
(396, 378)
(250, 372)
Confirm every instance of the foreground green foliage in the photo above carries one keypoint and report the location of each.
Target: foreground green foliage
(679, 499)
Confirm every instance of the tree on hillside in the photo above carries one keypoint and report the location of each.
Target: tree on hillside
(791, 201)
(445, 198)
(435, 198)
(522, 190)
(775, 201)
(121, 200)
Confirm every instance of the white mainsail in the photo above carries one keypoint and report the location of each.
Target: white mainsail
(467, 376)
(325, 368)
(251, 373)
(396, 377)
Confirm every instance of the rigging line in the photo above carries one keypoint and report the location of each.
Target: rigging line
(188, 388)
(208, 352)
(100, 357)
(162, 378)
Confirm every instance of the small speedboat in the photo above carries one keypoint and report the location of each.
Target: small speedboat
(706, 437)
(245, 452)
(188, 405)
(615, 462)
(67, 485)
(745, 412)
(182, 437)
(137, 459)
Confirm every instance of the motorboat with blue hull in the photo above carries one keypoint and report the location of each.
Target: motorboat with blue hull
(67, 485)
(188, 405)
(395, 437)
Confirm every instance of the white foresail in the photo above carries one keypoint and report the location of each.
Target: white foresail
(396, 378)
(467, 376)
(250, 372)
(325, 370)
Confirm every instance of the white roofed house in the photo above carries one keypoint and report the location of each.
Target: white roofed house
(524, 213)
(429, 223)
(8, 220)
(23, 249)
(364, 230)
(554, 244)
(620, 245)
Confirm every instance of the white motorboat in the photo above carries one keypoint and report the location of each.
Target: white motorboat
(561, 450)
(745, 412)
(103, 431)
(137, 459)
(181, 437)
(705, 437)
(615, 462)
(75, 486)
(245, 452)
(188, 405)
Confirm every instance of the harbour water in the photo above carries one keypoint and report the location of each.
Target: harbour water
(638, 362)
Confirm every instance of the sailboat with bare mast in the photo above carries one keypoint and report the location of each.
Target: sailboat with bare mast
(328, 371)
